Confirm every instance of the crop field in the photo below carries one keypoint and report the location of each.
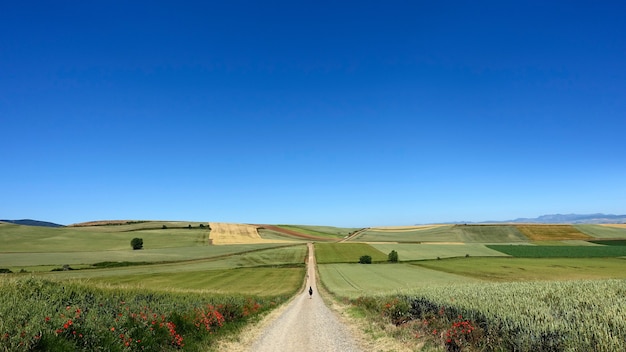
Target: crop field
(41, 315)
(346, 252)
(354, 280)
(447, 233)
(561, 251)
(253, 281)
(610, 242)
(530, 269)
(17, 238)
(551, 232)
(413, 251)
(535, 316)
(603, 231)
(328, 232)
(275, 235)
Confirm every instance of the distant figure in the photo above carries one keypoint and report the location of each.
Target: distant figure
(310, 292)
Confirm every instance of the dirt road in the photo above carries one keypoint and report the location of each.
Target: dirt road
(306, 324)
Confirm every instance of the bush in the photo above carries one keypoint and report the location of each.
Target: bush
(365, 259)
(393, 256)
(136, 243)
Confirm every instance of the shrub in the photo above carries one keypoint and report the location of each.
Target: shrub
(393, 256)
(365, 259)
(136, 243)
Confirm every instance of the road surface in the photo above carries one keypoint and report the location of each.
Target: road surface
(306, 324)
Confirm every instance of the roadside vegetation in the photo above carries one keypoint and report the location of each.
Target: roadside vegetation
(43, 315)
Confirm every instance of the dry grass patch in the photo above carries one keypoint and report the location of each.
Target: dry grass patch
(226, 233)
(551, 232)
(620, 226)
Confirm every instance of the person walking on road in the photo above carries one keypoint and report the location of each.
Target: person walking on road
(310, 292)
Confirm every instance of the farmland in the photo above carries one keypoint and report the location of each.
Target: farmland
(440, 266)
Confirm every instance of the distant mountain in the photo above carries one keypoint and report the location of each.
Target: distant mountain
(597, 218)
(29, 222)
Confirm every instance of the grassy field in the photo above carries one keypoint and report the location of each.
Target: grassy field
(32, 261)
(447, 233)
(529, 269)
(353, 280)
(21, 239)
(601, 231)
(551, 232)
(253, 281)
(329, 232)
(582, 315)
(346, 253)
(412, 251)
(561, 251)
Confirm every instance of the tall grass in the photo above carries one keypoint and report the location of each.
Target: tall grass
(537, 316)
(40, 315)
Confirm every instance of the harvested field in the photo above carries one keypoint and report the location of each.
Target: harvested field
(225, 233)
(551, 232)
(621, 226)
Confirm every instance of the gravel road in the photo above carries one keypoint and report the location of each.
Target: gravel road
(306, 324)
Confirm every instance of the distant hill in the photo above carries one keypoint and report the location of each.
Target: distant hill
(597, 218)
(30, 222)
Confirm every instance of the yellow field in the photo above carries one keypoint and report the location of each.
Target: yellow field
(226, 233)
(551, 232)
(621, 226)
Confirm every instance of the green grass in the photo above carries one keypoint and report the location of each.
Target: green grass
(273, 235)
(346, 253)
(21, 239)
(250, 281)
(40, 315)
(412, 251)
(610, 242)
(353, 280)
(272, 257)
(530, 269)
(32, 260)
(561, 251)
(448, 233)
(320, 231)
(599, 231)
(582, 315)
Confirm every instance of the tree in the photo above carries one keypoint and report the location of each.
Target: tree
(393, 256)
(365, 259)
(136, 243)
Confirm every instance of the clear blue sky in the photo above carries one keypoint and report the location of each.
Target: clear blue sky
(336, 113)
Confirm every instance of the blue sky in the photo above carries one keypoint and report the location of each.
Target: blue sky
(311, 112)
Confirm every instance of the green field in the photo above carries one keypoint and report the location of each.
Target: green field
(320, 231)
(31, 261)
(253, 281)
(530, 269)
(21, 239)
(599, 231)
(346, 253)
(448, 233)
(353, 280)
(412, 251)
(561, 251)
